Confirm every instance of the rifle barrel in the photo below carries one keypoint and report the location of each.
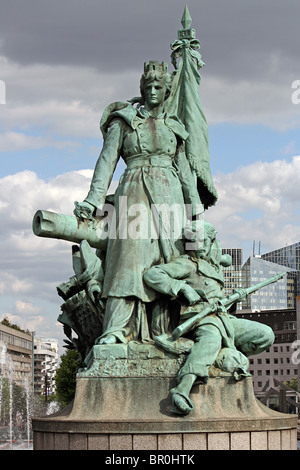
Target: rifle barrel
(227, 302)
(262, 284)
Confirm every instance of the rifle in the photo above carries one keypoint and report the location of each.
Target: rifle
(238, 295)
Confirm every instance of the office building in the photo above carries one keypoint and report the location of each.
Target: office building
(45, 365)
(279, 360)
(287, 256)
(233, 275)
(279, 295)
(274, 305)
(15, 345)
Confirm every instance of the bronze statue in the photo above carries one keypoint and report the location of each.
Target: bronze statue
(156, 274)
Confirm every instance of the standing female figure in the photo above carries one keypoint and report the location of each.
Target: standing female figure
(152, 145)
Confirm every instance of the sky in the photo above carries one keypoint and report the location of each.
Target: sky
(62, 62)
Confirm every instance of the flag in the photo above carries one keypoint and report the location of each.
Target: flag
(184, 102)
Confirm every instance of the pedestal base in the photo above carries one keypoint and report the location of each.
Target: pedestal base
(123, 402)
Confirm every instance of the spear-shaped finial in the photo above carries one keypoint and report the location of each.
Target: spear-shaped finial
(187, 32)
(186, 19)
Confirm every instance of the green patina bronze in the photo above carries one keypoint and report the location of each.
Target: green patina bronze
(141, 275)
(196, 280)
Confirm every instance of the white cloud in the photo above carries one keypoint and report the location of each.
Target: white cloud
(26, 308)
(258, 202)
(255, 101)
(32, 267)
(55, 105)
(64, 100)
(30, 323)
(22, 194)
(69, 100)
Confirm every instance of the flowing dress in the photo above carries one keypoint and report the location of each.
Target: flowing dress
(157, 173)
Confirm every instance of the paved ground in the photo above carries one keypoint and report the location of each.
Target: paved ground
(16, 446)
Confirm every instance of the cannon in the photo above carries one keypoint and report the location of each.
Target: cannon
(66, 227)
(81, 312)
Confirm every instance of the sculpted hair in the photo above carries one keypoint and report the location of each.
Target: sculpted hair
(155, 75)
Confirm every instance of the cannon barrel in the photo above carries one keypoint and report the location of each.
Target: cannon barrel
(66, 227)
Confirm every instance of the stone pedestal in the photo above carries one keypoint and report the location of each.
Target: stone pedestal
(123, 402)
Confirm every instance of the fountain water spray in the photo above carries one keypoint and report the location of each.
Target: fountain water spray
(10, 385)
(28, 420)
(2, 362)
(18, 420)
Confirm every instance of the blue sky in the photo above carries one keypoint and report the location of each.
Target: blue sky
(234, 145)
(231, 146)
(48, 162)
(61, 70)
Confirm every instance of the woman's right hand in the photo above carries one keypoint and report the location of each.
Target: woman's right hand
(83, 210)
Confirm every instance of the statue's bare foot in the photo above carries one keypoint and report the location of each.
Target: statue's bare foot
(110, 339)
(181, 403)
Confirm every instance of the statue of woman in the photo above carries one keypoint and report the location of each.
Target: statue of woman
(151, 142)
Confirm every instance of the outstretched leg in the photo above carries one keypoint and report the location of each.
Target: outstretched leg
(202, 355)
(252, 337)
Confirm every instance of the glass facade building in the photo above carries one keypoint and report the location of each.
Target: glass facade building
(273, 305)
(279, 295)
(287, 256)
(233, 275)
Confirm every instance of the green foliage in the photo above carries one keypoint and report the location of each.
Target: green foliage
(6, 322)
(293, 383)
(18, 399)
(65, 377)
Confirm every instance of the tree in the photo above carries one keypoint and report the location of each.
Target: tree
(6, 322)
(293, 383)
(65, 377)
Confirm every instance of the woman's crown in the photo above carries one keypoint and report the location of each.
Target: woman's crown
(154, 65)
